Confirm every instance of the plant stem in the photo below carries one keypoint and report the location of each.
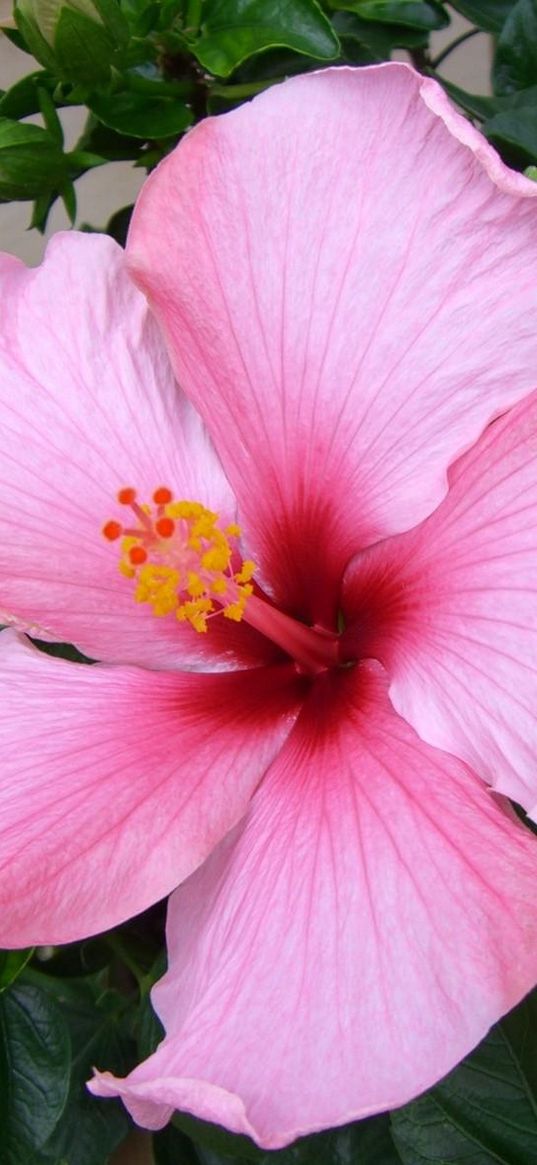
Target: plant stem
(193, 17)
(117, 946)
(454, 45)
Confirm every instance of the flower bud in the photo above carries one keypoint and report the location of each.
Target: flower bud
(44, 14)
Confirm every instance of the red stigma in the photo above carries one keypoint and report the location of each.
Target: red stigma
(165, 527)
(112, 531)
(162, 496)
(126, 496)
(137, 555)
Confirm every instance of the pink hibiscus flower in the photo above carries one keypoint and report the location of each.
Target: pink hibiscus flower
(344, 273)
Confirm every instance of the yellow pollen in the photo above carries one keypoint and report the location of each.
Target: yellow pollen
(246, 572)
(195, 585)
(194, 572)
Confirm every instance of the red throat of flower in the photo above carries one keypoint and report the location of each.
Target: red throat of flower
(185, 563)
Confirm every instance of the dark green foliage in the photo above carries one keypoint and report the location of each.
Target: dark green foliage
(423, 14)
(136, 115)
(487, 14)
(515, 62)
(89, 1129)
(485, 1112)
(34, 1070)
(232, 32)
(31, 161)
(147, 71)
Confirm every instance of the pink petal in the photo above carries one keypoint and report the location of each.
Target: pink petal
(451, 609)
(116, 782)
(88, 404)
(344, 272)
(350, 942)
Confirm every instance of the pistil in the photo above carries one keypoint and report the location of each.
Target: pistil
(313, 648)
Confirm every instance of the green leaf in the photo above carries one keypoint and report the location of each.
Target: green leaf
(427, 15)
(75, 40)
(113, 19)
(171, 1147)
(42, 207)
(515, 62)
(62, 650)
(515, 130)
(233, 30)
(216, 1140)
(23, 98)
(82, 160)
(139, 116)
(377, 40)
(473, 103)
(100, 140)
(144, 17)
(11, 965)
(31, 162)
(506, 121)
(68, 197)
(49, 114)
(34, 1070)
(272, 65)
(89, 1128)
(486, 108)
(485, 1111)
(118, 225)
(14, 37)
(367, 1142)
(487, 14)
(149, 1030)
(33, 40)
(83, 49)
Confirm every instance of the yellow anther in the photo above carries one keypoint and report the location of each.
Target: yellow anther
(195, 613)
(246, 572)
(217, 558)
(195, 586)
(185, 510)
(189, 571)
(204, 527)
(235, 610)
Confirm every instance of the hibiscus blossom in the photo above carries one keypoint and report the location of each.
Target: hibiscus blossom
(316, 659)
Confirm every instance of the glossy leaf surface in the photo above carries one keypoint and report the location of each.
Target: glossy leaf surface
(34, 1070)
(233, 30)
(485, 1111)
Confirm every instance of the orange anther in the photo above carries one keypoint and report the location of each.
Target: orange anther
(112, 530)
(165, 527)
(162, 496)
(137, 555)
(126, 496)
